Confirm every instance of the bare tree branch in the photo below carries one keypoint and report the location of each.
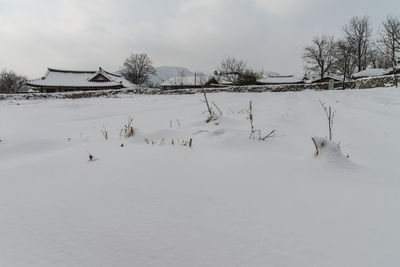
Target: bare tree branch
(358, 33)
(319, 56)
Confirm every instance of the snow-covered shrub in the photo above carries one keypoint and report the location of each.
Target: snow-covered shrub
(328, 149)
(324, 146)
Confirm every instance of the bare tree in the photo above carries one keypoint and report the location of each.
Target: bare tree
(378, 56)
(390, 38)
(231, 69)
(358, 33)
(137, 68)
(181, 76)
(10, 82)
(319, 56)
(344, 60)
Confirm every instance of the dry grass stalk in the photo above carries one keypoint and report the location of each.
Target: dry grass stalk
(253, 130)
(251, 118)
(215, 105)
(128, 129)
(271, 134)
(208, 105)
(187, 143)
(316, 147)
(330, 116)
(200, 131)
(163, 141)
(211, 116)
(105, 133)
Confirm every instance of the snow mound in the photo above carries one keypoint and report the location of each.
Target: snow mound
(370, 73)
(329, 151)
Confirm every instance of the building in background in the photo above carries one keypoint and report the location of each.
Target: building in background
(56, 80)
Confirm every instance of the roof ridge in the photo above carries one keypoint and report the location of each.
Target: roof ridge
(83, 71)
(70, 71)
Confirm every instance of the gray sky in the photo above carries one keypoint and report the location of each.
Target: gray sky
(86, 34)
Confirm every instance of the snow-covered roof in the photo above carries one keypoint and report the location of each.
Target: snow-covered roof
(329, 76)
(187, 81)
(224, 81)
(71, 78)
(280, 79)
(370, 73)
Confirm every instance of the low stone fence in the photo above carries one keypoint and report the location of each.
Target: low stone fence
(383, 81)
(373, 82)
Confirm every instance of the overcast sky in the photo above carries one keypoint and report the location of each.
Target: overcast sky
(86, 34)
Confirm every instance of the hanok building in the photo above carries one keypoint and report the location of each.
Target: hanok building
(70, 80)
(327, 78)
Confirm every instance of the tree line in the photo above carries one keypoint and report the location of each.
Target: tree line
(137, 69)
(356, 50)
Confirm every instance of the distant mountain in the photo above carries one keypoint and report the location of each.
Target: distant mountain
(165, 72)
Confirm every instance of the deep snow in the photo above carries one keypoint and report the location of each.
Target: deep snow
(228, 201)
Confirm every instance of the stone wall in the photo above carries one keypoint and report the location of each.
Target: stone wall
(383, 81)
(373, 82)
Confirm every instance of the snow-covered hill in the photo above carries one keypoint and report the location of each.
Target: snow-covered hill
(147, 200)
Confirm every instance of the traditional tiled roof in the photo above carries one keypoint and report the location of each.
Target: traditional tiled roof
(71, 78)
(328, 76)
(280, 79)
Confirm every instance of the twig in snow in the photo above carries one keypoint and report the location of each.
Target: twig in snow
(271, 134)
(215, 105)
(201, 131)
(330, 116)
(253, 130)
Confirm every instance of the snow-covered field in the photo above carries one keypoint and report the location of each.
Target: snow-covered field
(227, 201)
